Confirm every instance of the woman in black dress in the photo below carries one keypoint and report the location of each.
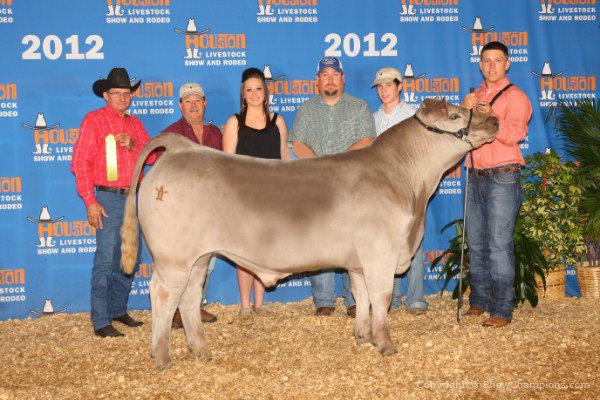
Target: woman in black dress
(254, 132)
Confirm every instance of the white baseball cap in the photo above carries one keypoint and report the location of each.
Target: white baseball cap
(190, 88)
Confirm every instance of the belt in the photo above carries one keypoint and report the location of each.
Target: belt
(496, 170)
(117, 191)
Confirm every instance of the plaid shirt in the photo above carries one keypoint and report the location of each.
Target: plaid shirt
(332, 129)
(89, 154)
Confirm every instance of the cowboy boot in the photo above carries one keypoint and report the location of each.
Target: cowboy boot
(45, 149)
(261, 10)
(38, 149)
(404, 10)
(543, 10)
(111, 11)
(475, 50)
(268, 10)
(118, 11)
(49, 242)
(188, 53)
(195, 54)
(411, 10)
(42, 242)
(412, 97)
(550, 95)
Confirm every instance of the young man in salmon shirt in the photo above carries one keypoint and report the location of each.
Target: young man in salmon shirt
(494, 190)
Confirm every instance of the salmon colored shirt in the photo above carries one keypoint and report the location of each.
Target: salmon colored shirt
(89, 154)
(513, 110)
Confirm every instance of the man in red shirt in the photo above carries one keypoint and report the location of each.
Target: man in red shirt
(192, 103)
(494, 190)
(109, 144)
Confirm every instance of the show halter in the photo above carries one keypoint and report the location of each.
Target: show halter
(462, 133)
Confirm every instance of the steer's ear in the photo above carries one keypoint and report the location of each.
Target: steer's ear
(433, 110)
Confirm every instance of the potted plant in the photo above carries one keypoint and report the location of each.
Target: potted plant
(552, 195)
(578, 125)
(530, 263)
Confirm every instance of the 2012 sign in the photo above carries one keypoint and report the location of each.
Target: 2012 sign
(351, 45)
(52, 48)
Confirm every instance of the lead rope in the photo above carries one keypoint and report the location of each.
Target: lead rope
(462, 250)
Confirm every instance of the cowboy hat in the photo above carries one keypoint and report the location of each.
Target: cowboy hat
(117, 78)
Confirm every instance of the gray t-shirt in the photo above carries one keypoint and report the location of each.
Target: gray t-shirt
(332, 129)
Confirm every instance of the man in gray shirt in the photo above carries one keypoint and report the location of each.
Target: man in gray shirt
(331, 122)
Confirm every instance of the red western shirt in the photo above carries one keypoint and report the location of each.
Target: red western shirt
(89, 154)
(513, 110)
(211, 135)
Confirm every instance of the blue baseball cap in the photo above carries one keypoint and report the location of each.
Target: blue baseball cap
(330, 62)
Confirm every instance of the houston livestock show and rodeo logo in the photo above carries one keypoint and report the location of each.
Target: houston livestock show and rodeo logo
(417, 86)
(55, 235)
(287, 11)
(11, 189)
(560, 86)
(516, 41)
(286, 95)
(138, 12)
(9, 107)
(153, 98)
(429, 11)
(566, 10)
(6, 12)
(204, 48)
(52, 143)
(12, 284)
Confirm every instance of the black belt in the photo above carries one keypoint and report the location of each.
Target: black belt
(496, 170)
(117, 191)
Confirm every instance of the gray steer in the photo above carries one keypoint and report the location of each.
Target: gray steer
(363, 211)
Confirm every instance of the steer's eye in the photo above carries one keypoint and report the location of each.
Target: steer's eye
(454, 117)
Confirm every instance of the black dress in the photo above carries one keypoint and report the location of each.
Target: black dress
(263, 143)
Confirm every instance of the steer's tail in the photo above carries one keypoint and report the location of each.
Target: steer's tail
(129, 229)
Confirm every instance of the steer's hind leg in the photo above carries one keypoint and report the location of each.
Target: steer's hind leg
(362, 324)
(379, 286)
(166, 287)
(189, 306)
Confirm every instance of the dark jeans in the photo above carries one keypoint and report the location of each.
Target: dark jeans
(110, 286)
(492, 206)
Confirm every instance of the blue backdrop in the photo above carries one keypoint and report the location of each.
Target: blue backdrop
(52, 52)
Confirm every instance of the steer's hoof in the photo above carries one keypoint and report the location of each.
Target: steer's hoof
(202, 353)
(387, 351)
(164, 364)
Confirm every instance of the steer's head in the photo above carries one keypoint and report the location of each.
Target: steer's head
(447, 118)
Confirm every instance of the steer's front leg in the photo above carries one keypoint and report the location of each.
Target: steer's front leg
(379, 285)
(362, 324)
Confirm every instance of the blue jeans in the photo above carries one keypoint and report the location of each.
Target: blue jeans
(415, 297)
(492, 206)
(323, 289)
(110, 286)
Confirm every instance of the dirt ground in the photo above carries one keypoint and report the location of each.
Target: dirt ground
(548, 352)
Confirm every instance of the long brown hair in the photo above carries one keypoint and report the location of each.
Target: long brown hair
(247, 74)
